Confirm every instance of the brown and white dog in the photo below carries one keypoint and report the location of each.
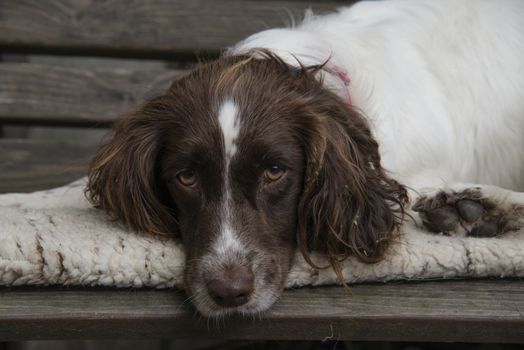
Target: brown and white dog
(270, 147)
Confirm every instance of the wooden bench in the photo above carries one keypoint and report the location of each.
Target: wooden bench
(44, 81)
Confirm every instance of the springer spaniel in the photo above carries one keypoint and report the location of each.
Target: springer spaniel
(319, 137)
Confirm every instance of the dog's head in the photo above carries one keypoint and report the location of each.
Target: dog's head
(246, 159)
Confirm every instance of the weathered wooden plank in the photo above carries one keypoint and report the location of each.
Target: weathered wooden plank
(45, 94)
(472, 311)
(131, 27)
(30, 165)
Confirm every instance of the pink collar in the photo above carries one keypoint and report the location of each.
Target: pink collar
(342, 75)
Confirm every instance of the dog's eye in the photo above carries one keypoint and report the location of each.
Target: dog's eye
(274, 173)
(186, 177)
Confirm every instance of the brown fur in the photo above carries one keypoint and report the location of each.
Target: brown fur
(346, 205)
(123, 177)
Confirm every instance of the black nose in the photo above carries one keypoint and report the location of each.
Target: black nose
(233, 287)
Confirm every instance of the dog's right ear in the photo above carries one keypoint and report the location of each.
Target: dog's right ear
(123, 175)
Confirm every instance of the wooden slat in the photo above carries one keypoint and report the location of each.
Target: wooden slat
(471, 311)
(45, 94)
(30, 165)
(140, 27)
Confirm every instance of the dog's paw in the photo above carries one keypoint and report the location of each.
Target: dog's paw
(466, 213)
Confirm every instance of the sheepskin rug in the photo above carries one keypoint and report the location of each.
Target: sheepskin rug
(55, 237)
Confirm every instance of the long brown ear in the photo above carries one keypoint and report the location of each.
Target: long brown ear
(123, 176)
(349, 205)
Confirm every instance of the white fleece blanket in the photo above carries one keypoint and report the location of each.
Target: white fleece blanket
(55, 237)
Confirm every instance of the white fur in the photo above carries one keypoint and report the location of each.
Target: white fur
(227, 117)
(227, 244)
(440, 81)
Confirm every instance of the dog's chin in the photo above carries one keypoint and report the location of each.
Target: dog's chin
(261, 300)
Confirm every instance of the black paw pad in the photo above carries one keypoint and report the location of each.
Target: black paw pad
(463, 212)
(470, 210)
(442, 219)
(485, 229)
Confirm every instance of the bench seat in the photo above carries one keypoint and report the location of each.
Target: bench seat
(447, 311)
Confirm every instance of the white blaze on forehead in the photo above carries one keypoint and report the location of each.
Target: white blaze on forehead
(227, 244)
(227, 117)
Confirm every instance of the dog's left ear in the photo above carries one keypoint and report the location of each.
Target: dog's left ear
(349, 205)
